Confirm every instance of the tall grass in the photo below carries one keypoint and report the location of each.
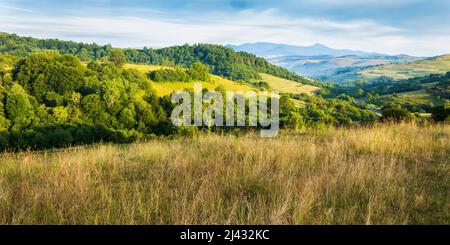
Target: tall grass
(382, 175)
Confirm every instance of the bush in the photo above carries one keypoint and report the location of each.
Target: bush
(441, 113)
(397, 115)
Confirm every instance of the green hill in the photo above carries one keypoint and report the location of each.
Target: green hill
(397, 71)
(223, 61)
(166, 88)
(433, 65)
(287, 86)
(418, 94)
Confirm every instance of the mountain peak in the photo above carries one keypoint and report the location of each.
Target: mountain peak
(269, 50)
(318, 45)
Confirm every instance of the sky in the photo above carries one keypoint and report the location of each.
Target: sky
(414, 27)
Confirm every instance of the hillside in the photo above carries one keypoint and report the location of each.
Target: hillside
(223, 61)
(319, 61)
(276, 83)
(418, 94)
(433, 65)
(330, 68)
(387, 174)
(397, 71)
(287, 86)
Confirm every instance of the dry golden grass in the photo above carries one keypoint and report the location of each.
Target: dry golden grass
(383, 175)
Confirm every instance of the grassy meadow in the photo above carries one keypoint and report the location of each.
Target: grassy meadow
(434, 65)
(276, 84)
(387, 174)
(287, 86)
(166, 88)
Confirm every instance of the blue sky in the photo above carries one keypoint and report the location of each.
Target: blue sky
(416, 27)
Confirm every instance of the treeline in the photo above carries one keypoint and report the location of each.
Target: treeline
(222, 61)
(196, 72)
(23, 46)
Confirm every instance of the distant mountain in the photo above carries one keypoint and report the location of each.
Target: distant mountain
(394, 71)
(325, 67)
(268, 50)
(319, 61)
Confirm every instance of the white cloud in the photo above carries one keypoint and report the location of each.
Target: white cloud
(245, 26)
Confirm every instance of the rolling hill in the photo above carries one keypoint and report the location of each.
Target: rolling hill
(326, 67)
(433, 65)
(166, 88)
(398, 71)
(278, 84)
(319, 61)
(237, 66)
(287, 86)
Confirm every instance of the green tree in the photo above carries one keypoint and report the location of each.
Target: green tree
(84, 55)
(442, 113)
(117, 57)
(60, 114)
(199, 72)
(397, 115)
(18, 106)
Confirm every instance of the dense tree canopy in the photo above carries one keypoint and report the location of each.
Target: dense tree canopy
(57, 92)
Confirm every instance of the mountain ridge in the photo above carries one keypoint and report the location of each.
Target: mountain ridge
(267, 49)
(319, 61)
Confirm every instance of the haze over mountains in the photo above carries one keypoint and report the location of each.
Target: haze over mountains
(269, 50)
(319, 61)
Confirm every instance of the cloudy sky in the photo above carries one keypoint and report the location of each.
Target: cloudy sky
(416, 27)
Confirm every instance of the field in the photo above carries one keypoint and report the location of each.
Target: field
(418, 97)
(439, 64)
(276, 84)
(388, 174)
(166, 88)
(287, 86)
(144, 68)
(415, 98)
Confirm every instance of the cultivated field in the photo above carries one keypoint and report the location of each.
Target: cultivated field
(395, 174)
